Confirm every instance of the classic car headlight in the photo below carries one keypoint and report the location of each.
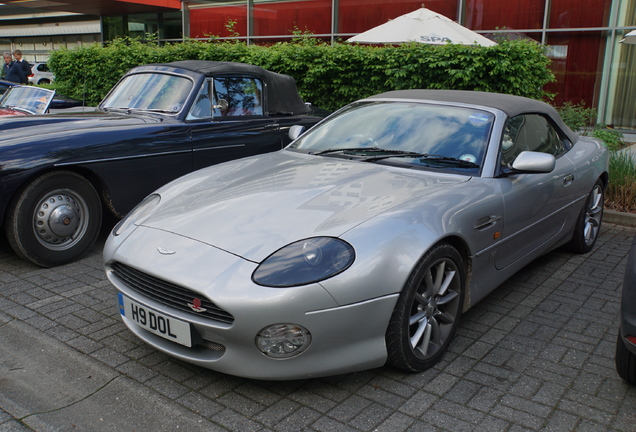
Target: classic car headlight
(283, 340)
(138, 214)
(305, 261)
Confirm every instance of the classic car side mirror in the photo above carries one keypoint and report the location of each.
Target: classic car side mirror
(295, 131)
(533, 162)
(222, 105)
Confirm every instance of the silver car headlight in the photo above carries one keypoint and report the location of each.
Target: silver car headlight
(304, 262)
(138, 214)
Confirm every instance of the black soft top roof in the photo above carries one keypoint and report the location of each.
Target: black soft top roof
(509, 104)
(281, 92)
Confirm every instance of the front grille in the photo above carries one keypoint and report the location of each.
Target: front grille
(168, 293)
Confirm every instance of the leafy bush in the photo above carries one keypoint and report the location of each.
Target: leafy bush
(582, 119)
(621, 191)
(329, 76)
(578, 117)
(613, 139)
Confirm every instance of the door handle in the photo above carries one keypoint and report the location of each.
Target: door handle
(568, 179)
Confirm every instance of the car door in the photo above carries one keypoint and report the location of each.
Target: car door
(535, 204)
(228, 121)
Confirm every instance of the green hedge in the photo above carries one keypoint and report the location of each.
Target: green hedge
(329, 76)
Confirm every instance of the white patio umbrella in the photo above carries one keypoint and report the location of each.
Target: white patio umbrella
(422, 25)
(630, 38)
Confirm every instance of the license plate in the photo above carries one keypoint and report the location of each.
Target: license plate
(155, 322)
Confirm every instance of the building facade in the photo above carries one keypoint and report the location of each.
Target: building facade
(583, 36)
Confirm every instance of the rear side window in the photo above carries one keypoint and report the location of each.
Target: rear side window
(228, 97)
(530, 132)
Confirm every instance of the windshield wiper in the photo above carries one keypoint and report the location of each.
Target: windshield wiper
(388, 154)
(348, 149)
(426, 157)
(161, 111)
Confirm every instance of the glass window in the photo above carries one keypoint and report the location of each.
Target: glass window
(282, 18)
(228, 20)
(575, 63)
(243, 96)
(202, 106)
(151, 92)
(579, 13)
(504, 14)
(353, 17)
(434, 130)
(530, 132)
(228, 96)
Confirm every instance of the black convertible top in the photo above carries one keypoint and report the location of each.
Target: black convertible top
(281, 92)
(509, 104)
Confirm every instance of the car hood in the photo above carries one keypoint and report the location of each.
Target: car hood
(11, 112)
(254, 206)
(54, 123)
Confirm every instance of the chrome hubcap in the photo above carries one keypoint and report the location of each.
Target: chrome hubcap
(58, 220)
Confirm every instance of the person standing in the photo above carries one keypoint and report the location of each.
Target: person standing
(24, 65)
(7, 60)
(12, 71)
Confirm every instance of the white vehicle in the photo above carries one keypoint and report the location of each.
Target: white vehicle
(41, 74)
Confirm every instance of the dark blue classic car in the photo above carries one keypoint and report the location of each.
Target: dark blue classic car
(59, 101)
(60, 172)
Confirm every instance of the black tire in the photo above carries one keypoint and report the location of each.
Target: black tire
(55, 219)
(44, 81)
(588, 225)
(625, 361)
(428, 310)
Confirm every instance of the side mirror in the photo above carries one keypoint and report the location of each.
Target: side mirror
(533, 162)
(295, 131)
(222, 105)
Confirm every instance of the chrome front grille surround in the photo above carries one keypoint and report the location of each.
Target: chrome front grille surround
(169, 294)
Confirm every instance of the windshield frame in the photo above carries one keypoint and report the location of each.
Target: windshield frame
(114, 93)
(28, 98)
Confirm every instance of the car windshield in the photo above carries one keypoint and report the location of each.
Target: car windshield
(420, 134)
(34, 100)
(149, 92)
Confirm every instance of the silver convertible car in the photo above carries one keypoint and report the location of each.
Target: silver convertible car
(362, 242)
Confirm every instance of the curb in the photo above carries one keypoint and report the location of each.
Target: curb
(619, 218)
(49, 386)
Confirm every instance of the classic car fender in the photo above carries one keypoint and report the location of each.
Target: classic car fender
(105, 148)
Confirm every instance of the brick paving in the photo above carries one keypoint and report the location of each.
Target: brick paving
(535, 355)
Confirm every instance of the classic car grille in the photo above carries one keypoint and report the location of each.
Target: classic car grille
(168, 293)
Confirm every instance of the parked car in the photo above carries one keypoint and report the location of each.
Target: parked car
(25, 100)
(626, 343)
(59, 101)
(59, 172)
(362, 242)
(41, 74)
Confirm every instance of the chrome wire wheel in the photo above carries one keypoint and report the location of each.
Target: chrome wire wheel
(428, 310)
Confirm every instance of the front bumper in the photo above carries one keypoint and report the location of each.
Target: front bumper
(345, 338)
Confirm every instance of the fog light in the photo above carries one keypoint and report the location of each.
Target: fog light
(283, 340)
